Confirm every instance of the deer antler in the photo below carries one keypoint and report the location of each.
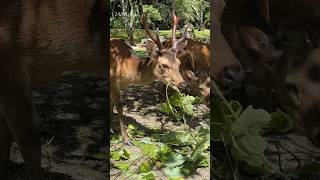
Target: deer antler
(144, 22)
(175, 21)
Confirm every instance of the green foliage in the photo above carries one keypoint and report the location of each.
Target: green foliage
(153, 13)
(190, 10)
(177, 153)
(117, 23)
(242, 132)
(140, 34)
(177, 104)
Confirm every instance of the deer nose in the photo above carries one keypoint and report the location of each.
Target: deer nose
(233, 77)
(182, 85)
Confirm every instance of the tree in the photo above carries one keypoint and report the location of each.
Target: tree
(199, 9)
(193, 11)
(129, 14)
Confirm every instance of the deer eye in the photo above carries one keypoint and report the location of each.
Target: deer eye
(164, 66)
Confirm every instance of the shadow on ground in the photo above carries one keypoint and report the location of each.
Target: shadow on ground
(73, 118)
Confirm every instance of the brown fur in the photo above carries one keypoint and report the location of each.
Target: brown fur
(195, 59)
(39, 41)
(126, 69)
(223, 57)
(297, 87)
(302, 88)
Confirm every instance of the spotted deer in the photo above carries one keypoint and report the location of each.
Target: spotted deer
(127, 68)
(39, 40)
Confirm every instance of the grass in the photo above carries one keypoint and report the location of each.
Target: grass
(141, 53)
(140, 34)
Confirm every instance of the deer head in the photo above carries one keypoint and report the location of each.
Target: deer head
(302, 85)
(166, 64)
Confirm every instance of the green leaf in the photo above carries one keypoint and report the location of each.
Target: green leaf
(184, 138)
(169, 138)
(115, 139)
(150, 150)
(188, 169)
(115, 155)
(126, 154)
(165, 108)
(149, 176)
(177, 178)
(188, 99)
(146, 140)
(131, 127)
(235, 106)
(138, 143)
(164, 153)
(254, 121)
(175, 159)
(173, 172)
(280, 122)
(123, 166)
(218, 125)
(139, 133)
(250, 150)
(145, 167)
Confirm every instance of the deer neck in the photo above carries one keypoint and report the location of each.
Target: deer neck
(146, 68)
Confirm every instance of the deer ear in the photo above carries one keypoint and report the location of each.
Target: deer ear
(182, 44)
(150, 47)
(253, 39)
(191, 60)
(191, 77)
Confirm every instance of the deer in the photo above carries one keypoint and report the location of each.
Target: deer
(39, 41)
(126, 68)
(297, 28)
(195, 66)
(225, 69)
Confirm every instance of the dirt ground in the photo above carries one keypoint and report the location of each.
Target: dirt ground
(72, 111)
(291, 151)
(141, 110)
(73, 130)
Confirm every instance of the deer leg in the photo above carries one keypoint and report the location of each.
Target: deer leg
(116, 99)
(5, 143)
(20, 115)
(111, 117)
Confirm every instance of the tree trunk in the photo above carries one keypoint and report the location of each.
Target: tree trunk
(201, 19)
(128, 18)
(130, 35)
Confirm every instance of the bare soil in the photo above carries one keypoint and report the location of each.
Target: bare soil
(73, 115)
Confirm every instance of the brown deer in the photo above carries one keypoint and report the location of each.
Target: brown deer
(301, 81)
(298, 68)
(299, 25)
(39, 41)
(126, 68)
(195, 66)
(225, 68)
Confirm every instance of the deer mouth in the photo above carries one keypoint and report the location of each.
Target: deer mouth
(170, 84)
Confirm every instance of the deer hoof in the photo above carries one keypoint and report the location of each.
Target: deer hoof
(128, 143)
(111, 131)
